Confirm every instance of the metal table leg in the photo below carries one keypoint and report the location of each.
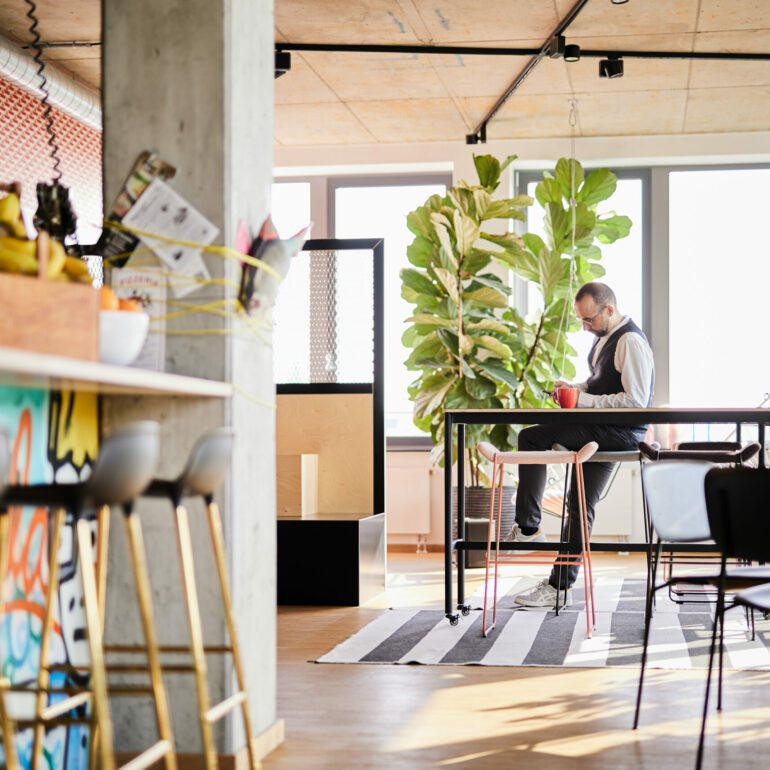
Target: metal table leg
(453, 617)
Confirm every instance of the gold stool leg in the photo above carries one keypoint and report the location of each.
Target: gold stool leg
(218, 542)
(196, 632)
(144, 593)
(93, 625)
(11, 760)
(102, 547)
(51, 597)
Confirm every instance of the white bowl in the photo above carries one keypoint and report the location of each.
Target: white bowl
(121, 335)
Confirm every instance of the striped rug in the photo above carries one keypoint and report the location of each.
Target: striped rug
(680, 634)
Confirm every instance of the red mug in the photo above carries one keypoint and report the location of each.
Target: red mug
(567, 397)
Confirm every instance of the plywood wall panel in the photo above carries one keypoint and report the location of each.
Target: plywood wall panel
(339, 429)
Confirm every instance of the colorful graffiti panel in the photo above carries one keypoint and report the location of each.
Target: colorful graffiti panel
(54, 438)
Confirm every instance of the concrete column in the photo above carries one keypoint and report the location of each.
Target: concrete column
(193, 80)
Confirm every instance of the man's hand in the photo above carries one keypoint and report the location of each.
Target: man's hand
(562, 384)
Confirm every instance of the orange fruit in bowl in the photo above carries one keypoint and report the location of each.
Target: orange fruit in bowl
(109, 299)
(132, 305)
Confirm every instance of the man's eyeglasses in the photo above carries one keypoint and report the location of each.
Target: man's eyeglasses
(591, 320)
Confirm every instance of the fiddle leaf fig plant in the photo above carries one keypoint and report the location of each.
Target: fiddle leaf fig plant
(470, 347)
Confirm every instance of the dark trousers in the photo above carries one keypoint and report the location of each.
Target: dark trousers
(529, 495)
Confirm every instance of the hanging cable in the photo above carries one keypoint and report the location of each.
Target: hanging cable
(47, 109)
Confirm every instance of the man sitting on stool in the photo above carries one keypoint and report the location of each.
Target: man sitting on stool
(622, 375)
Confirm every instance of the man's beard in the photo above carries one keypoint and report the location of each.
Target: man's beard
(599, 333)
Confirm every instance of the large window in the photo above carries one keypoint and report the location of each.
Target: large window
(377, 208)
(624, 260)
(719, 273)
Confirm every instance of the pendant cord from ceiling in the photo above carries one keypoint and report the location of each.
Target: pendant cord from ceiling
(47, 109)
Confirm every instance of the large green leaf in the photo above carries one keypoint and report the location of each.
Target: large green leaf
(491, 280)
(609, 229)
(499, 349)
(449, 340)
(499, 373)
(487, 296)
(534, 242)
(548, 191)
(557, 226)
(489, 169)
(420, 250)
(481, 199)
(599, 185)
(508, 208)
(480, 388)
(425, 318)
(429, 399)
(466, 232)
(551, 270)
(419, 282)
(475, 261)
(488, 324)
(448, 281)
(563, 175)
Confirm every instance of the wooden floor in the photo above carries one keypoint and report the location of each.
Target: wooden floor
(383, 716)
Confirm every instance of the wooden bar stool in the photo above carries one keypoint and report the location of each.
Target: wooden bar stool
(125, 465)
(499, 460)
(203, 474)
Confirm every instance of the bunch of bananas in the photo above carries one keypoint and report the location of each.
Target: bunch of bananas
(18, 254)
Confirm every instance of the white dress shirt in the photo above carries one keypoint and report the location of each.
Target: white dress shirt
(633, 360)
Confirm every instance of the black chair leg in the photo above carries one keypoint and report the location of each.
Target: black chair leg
(561, 532)
(721, 653)
(647, 624)
(720, 600)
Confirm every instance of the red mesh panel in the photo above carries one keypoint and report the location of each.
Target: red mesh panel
(25, 156)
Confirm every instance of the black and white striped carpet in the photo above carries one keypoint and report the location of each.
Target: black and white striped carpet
(679, 638)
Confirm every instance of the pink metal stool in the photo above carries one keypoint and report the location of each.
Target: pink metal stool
(549, 457)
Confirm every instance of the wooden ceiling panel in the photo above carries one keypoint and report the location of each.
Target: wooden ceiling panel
(343, 21)
(303, 125)
(469, 76)
(631, 113)
(413, 120)
(724, 15)
(707, 74)
(638, 17)
(378, 75)
(493, 20)
(525, 117)
(89, 71)
(59, 21)
(301, 85)
(727, 109)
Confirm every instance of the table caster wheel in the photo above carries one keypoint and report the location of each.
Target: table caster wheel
(454, 620)
(465, 609)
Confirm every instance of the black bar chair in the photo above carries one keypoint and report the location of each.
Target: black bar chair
(678, 510)
(736, 500)
(726, 453)
(125, 465)
(205, 471)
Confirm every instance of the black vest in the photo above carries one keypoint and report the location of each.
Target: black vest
(605, 378)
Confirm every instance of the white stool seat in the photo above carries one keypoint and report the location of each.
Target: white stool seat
(548, 457)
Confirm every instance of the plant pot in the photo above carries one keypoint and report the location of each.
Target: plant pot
(477, 502)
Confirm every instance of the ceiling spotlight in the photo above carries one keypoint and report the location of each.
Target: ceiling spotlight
(618, 2)
(282, 63)
(572, 52)
(611, 68)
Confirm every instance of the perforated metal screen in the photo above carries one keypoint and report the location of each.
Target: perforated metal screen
(324, 319)
(25, 157)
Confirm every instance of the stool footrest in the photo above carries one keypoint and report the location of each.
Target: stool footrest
(143, 668)
(63, 706)
(149, 756)
(171, 649)
(215, 713)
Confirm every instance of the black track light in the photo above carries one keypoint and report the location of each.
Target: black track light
(282, 63)
(611, 68)
(572, 52)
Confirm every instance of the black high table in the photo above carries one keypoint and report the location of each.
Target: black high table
(463, 417)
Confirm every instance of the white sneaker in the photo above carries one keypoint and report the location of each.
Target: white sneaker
(517, 536)
(543, 595)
